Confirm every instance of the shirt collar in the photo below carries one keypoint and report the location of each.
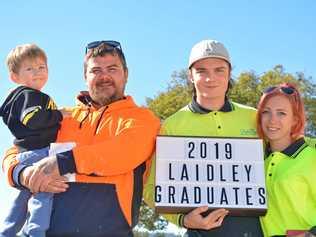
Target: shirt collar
(196, 108)
(292, 150)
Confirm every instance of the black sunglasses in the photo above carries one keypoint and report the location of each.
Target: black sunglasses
(111, 43)
(284, 89)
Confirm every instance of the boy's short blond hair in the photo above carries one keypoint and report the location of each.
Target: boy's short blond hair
(21, 53)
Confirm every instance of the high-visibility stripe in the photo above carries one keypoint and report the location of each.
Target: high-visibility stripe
(29, 116)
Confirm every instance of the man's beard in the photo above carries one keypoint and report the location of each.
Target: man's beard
(101, 97)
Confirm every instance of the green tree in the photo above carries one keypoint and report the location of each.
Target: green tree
(247, 89)
(177, 95)
(150, 219)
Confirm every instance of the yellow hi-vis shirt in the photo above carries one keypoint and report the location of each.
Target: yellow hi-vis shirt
(291, 188)
(233, 120)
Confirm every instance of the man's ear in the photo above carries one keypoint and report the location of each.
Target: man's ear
(14, 77)
(126, 74)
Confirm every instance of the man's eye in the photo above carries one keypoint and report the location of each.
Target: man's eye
(220, 70)
(96, 71)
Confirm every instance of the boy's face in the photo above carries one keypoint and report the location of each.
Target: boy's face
(33, 73)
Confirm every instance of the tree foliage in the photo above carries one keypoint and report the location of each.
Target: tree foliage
(247, 89)
(177, 95)
(150, 220)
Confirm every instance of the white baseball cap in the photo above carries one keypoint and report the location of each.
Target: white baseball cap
(208, 49)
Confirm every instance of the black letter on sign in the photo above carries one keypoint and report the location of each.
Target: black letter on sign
(228, 150)
(224, 197)
(236, 195)
(171, 194)
(191, 147)
(197, 176)
(157, 193)
(234, 173)
(184, 173)
(221, 172)
(261, 193)
(203, 150)
(197, 195)
(210, 195)
(170, 175)
(184, 195)
(248, 196)
(248, 168)
(210, 169)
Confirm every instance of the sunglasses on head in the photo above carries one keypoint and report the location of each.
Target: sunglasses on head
(289, 90)
(110, 43)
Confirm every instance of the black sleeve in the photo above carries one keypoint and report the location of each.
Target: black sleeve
(313, 230)
(37, 110)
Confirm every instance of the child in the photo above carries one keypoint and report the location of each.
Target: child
(34, 120)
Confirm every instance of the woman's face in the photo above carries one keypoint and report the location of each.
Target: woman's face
(277, 121)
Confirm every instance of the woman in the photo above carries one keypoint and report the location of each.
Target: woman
(290, 164)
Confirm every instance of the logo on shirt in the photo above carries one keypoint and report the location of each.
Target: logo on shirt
(248, 132)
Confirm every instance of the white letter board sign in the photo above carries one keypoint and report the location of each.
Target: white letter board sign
(217, 172)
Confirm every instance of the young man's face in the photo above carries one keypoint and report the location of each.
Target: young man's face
(32, 73)
(210, 77)
(106, 79)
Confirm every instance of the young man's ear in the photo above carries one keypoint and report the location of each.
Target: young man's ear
(14, 77)
(190, 78)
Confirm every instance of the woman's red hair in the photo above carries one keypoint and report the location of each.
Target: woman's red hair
(297, 107)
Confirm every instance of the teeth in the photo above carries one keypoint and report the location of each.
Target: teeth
(273, 129)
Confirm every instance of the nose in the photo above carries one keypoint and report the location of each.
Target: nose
(209, 77)
(272, 117)
(104, 75)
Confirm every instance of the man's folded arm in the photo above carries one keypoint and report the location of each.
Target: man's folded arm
(9, 163)
(114, 156)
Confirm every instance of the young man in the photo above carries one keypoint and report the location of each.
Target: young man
(210, 113)
(109, 164)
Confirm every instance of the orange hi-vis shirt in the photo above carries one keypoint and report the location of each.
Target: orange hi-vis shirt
(111, 142)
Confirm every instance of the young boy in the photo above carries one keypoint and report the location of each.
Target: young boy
(34, 120)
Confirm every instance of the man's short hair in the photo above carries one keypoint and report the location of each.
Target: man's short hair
(23, 52)
(102, 50)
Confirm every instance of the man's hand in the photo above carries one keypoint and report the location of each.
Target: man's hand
(305, 234)
(195, 220)
(43, 176)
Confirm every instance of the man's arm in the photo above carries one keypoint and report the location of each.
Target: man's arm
(18, 175)
(113, 156)
(9, 162)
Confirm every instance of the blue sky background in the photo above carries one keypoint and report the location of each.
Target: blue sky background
(156, 37)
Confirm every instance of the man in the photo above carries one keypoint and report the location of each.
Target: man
(114, 141)
(210, 113)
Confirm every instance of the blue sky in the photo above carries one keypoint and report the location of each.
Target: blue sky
(156, 37)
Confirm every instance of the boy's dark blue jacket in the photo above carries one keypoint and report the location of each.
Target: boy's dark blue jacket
(32, 118)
